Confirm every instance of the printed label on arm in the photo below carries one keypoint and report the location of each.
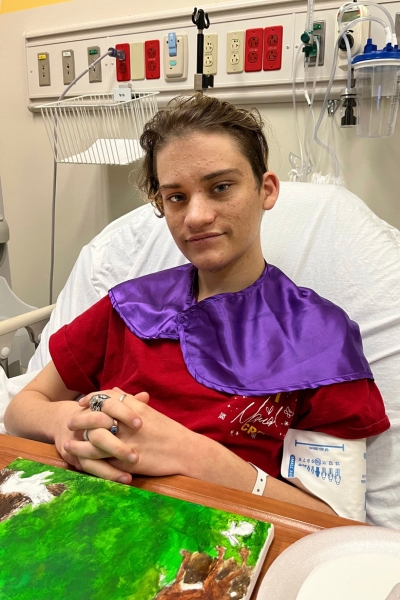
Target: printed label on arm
(330, 468)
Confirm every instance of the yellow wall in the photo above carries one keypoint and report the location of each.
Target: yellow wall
(7, 6)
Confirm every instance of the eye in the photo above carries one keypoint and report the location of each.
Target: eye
(220, 188)
(176, 198)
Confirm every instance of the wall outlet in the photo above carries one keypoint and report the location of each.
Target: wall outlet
(152, 59)
(137, 61)
(93, 53)
(44, 68)
(210, 54)
(123, 67)
(68, 66)
(176, 57)
(272, 48)
(253, 52)
(235, 52)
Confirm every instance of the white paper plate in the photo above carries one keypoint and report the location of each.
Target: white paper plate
(289, 571)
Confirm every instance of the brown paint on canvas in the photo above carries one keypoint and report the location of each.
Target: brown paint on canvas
(219, 577)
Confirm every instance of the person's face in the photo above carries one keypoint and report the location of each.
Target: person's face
(212, 202)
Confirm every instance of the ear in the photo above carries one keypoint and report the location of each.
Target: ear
(270, 187)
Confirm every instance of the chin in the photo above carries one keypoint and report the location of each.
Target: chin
(209, 266)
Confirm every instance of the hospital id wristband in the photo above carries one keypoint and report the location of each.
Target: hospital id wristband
(261, 481)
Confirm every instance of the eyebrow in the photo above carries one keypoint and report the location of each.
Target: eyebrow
(208, 177)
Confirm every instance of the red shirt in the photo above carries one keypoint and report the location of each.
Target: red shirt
(97, 352)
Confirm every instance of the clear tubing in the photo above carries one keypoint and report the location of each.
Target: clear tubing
(366, 3)
(296, 62)
(330, 83)
(307, 146)
(310, 16)
(348, 49)
(321, 115)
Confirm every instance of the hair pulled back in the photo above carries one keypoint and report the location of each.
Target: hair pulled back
(200, 114)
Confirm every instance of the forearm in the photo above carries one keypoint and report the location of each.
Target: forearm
(214, 463)
(31, 415)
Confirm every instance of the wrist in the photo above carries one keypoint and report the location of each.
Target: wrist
(207, 460)
(63, 411)
(260, 482)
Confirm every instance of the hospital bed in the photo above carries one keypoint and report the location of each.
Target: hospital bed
(322, 237)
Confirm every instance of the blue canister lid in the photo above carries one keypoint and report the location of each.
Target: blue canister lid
(371, 52)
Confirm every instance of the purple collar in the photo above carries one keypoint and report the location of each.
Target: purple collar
(270, 337)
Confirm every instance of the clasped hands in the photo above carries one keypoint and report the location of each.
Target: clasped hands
(147, 442)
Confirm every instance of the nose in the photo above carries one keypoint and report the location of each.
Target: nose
(199, 211)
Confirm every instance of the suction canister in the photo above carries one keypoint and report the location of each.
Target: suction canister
(377, 82)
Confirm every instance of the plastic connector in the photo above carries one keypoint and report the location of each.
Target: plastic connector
(118, 54)
(369, 46)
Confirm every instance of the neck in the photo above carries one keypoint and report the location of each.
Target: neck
(231, 279)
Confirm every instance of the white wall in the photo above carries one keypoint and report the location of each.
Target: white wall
(89, 196)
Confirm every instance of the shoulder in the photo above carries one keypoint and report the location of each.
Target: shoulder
(175, 281)
(302, 303)
(350, 409)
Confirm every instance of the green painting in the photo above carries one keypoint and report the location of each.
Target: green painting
(69, 535)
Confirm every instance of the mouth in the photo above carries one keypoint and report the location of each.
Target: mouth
(203, 237)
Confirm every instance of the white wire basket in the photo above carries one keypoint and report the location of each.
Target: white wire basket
(97, 130)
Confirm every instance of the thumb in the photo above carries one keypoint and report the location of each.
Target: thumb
(143, 397)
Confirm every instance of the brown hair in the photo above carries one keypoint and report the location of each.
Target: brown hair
(194, 114)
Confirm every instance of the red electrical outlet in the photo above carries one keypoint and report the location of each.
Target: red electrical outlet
(152, 59)
(124, 66)
(273, 36)
(253, 50)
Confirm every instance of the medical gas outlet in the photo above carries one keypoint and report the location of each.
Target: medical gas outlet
(44, 68)
(357, 35)
(68, 65)
(93, 53)
(176, 57)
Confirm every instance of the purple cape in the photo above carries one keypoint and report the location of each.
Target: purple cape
(270, 337)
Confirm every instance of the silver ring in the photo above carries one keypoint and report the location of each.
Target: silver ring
(122, 397)
(86, 436)
(96, 402)
(114, 427)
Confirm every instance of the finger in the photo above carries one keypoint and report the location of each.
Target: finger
(102, 444)
(87, 419)
(124, 465)
(116, 409)
(103, 469)
(79, 450)
(70, 459)
(141, 396)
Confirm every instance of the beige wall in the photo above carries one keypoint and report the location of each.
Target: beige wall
(89, 197)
